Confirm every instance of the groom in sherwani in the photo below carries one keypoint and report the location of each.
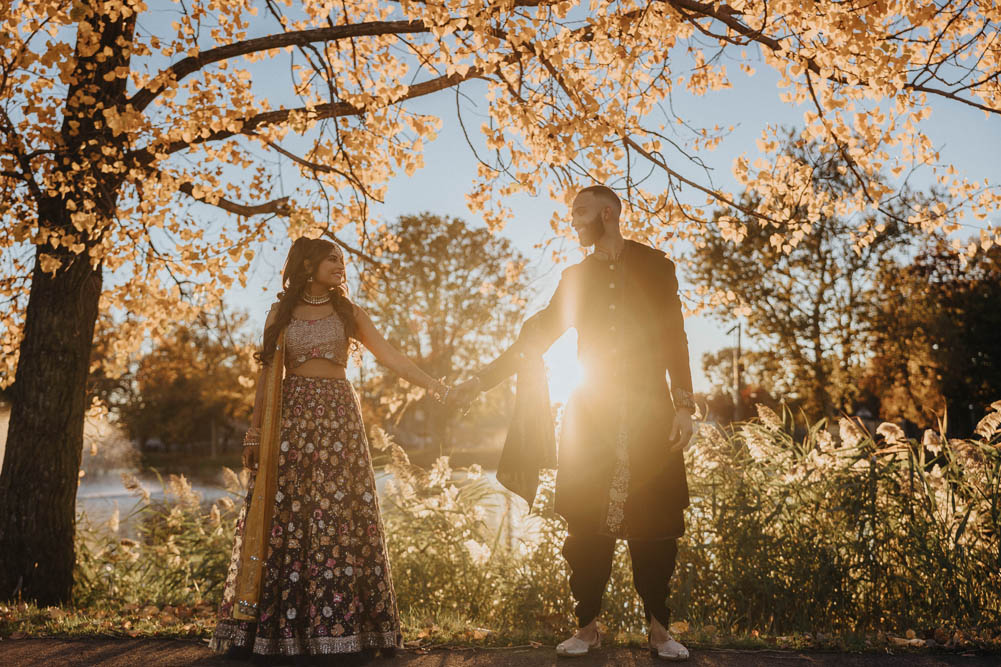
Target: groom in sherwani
(621, 468)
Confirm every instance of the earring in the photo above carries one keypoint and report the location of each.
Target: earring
(309, 280)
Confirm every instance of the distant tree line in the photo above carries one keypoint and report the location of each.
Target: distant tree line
(867, 316)
(446, 294)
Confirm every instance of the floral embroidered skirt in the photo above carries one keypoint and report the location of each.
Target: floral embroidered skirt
(327, 586)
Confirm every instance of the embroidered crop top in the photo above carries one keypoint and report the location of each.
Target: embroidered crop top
(322, 338)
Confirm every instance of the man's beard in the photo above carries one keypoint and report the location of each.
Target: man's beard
(591, 232)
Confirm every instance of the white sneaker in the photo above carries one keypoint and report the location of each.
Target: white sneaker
(669, 650)
(575, 647)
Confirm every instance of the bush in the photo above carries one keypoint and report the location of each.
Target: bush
(841, 532)
(849, 533)
(179, 556)
(846, 532)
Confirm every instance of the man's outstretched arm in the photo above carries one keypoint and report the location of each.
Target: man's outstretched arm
(537, 334)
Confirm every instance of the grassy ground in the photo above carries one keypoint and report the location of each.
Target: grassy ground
(23, 621)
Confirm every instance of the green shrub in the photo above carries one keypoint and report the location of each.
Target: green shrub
(845, 532)
(179, 555)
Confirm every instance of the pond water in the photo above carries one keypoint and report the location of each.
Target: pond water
(101, 494)
(108, 454)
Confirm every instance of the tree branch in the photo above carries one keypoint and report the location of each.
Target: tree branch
(191, 64)
(355, 251)
(276, 206)
(314, 166)
(147, 155)
(727, 15)
(15, 146)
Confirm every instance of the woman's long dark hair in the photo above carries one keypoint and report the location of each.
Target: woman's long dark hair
(305, 255)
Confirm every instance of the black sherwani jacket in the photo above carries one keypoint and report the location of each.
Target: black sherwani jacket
(615, 475)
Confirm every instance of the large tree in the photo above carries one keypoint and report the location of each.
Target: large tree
(446, 294)
(809, 307)
(111, 114)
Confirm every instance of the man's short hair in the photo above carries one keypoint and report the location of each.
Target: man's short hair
(606, 193)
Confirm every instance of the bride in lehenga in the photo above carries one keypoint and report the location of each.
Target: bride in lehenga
(309, 573)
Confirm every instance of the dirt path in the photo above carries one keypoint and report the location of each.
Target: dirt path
(180, 653)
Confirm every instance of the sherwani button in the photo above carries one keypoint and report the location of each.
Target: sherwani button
(612, 285)
(611, 306)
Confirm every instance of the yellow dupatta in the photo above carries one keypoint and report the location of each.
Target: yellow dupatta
(257, 525)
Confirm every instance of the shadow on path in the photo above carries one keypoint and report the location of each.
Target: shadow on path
(181, 653)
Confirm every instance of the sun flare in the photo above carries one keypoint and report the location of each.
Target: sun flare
(565, 372)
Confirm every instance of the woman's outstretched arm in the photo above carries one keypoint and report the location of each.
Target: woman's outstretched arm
(389, 356)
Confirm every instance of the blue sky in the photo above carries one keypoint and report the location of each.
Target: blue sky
(963, 135)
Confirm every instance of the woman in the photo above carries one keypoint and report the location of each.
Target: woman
(309, 573)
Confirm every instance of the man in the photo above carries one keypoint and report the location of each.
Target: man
(621, 471)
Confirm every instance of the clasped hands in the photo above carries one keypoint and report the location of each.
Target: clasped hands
(455, 397)
(462, 395)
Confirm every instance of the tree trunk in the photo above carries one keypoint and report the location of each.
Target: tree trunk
(41, 468)
(38, 483)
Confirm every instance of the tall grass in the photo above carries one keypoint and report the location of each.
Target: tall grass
(832, 530)
(837, 532)
(177, 554)
(849, 532)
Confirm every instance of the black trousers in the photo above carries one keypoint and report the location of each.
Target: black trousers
(590, 559)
